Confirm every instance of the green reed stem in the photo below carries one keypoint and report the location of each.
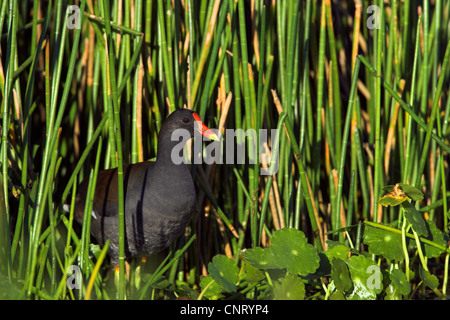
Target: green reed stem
(378, 148)
(49, 146)
(305, 184)
(434, 110)
(112, 97)
(345, 135)
(404, 105)
(408, 157)
(168, 71)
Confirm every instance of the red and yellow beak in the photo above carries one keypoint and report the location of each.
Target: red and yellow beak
(204, 130)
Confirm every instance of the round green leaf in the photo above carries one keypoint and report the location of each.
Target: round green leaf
(367, 278)
(383, 242)
(399, 282)
(252, 274)
(336, 250)
(341, 275)
(415, 219)
(290, 287)
(291, 251)
(391, 200)
(394, 197)
(260, 258)
(436, 236)
(224, 271)
(429, 279)
(412, 192)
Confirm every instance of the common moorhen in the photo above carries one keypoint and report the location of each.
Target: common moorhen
(159, 196)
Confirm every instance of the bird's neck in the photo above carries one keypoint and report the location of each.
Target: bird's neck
(177, 177)
(170, 153)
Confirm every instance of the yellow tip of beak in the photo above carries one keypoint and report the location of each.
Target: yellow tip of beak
(214, 137)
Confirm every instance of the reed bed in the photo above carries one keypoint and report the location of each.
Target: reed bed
(360, 102)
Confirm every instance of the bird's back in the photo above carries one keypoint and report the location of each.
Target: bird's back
(157, 207)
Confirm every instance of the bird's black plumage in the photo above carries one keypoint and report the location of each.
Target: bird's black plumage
(159, 197)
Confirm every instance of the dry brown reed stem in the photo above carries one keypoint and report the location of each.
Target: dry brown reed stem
(274, 200)
(358, 7)
(205, 50)
(139, 93)
(390, 140)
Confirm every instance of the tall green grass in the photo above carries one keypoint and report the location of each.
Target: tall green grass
(356, 108)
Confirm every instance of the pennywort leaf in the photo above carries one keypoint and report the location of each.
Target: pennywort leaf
(415, 219)
(383, 242)
(224, 271)
(367, 278)
(291, 251)
(290, 287)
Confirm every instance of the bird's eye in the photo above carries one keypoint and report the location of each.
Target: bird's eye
(186, 120)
